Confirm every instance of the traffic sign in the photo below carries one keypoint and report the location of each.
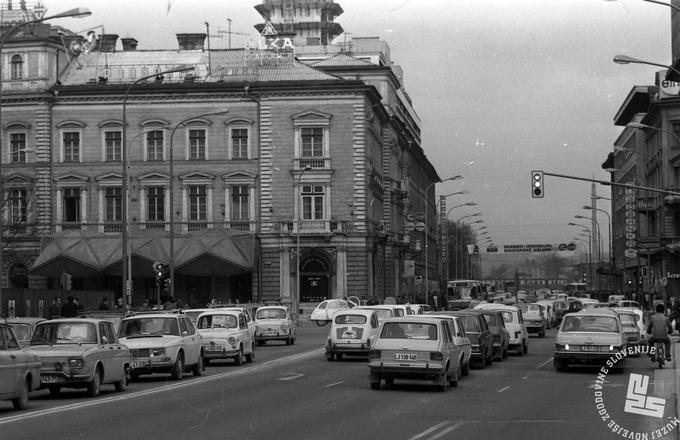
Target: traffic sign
(630, 253)
(420, 226)
(409, 227)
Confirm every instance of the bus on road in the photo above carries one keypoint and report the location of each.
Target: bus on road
(460, 293)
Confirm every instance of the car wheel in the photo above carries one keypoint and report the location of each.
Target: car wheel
(389, 381)
(466, 368)
(542, 334)
(122, 383)
(321, 323)
(198, 367)
(489, 359)
(560, 365)
(22, 401)
(525, 349)
(454, 382)
(505, 352)
(338, 356)
(178, 367)
(292, 340)
(375, 383)
(288, 341)
(238, 359)
(134, 377)
(250, 357)
(260, 342)
(329, 356)
(94, 387)
(54, 390)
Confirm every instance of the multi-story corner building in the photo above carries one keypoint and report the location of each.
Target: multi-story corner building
(258, 170)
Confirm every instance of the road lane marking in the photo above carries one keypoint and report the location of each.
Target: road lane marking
(503, 389)
(432, 429)
(447, 430)
(164, 388)
(292, 376)
(334, 384)
(526, 376)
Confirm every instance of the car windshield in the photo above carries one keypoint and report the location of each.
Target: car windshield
(604, 324)
(65, 333)
(148, 326)
(471, 324)
(383, 314)
(350, 319)
(561, 305)
(409, 330)
(23, 331)
(270, 314)
(217, 321)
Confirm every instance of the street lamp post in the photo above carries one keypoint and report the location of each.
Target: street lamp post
(609, 225)
(463, 248)
(427, 208)
(446, 250)
(71, 13)
(597, 237)
(296, 297)
(171, 187)
(447, 232)
(590, 249)
(126, 258)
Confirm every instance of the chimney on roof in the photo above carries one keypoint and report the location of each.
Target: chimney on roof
(129, 44)
(106, 43)
(191, 41)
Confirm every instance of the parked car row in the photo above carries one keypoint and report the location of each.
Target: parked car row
(88, 352)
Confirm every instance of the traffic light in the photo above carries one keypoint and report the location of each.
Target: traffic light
(159, 271)
(537, 184)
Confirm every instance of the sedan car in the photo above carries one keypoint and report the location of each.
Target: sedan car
(19, 369)
(274, 323)
(415, 347)
(162, 343)
(459, 337)
(226, 335)
(326, 310)
(481, 340)
(589, 337)
(80, 353)
(534, 318)
(23, 328)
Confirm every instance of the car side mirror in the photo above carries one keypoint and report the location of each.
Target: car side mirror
(185, 333)
(104, 340)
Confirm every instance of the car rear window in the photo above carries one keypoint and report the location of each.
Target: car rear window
(604, 324)
(471, 324)
(217, 321)
(150, 326)
(65, 333)
(350, 319)
(270, 314)
(409, 330)
(23, 331)
(491, 320)
(507, 317)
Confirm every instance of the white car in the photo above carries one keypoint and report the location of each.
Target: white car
(326, 310)
(225, 335)
(459, 338)
(352, 333)
(162, 343)
(514, 322)
(274, 323)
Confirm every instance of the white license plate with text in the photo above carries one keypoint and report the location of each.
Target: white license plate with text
(405, 356)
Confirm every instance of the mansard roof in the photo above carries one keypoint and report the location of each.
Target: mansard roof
(214, 66)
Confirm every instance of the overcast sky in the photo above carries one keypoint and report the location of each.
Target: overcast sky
(502, 87)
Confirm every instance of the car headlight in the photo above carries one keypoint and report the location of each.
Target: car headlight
(157, 352)
(374, 354)
(284, 327)
(76, 363)
(231, 340)
(560, 347)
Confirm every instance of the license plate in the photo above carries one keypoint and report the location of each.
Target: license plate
(212, 348)
(49, 379)
(140, 364)
(268, 333)
(405, 356)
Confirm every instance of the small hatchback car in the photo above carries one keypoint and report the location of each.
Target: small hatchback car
(326, 310)
(352, 333)
(274, 323)
(415, 347)
(162, 343)
(80, 353)
(226, 335)
(477, 330)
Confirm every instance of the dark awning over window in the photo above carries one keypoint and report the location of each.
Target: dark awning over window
(208, 252)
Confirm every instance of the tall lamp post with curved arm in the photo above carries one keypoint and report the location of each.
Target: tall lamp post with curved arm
(590, 249)
(455, 254)
(427, 209)
(126, 260)
(71, 13)
(610, 238)
(171, 187)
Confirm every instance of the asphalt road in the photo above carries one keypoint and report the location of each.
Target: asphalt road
(292, 392)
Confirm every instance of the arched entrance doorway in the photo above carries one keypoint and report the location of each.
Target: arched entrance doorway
(315, 275)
